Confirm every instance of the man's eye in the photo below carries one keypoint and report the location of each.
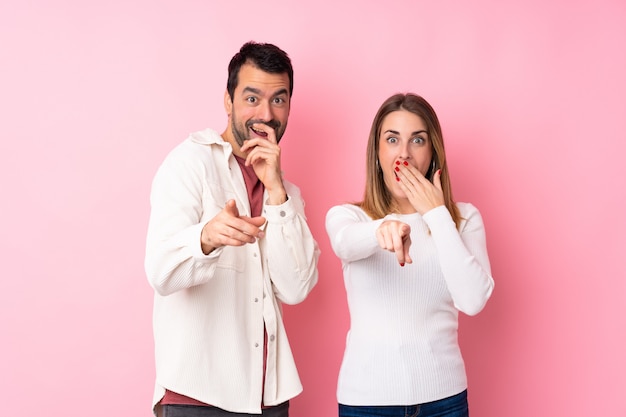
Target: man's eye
(251, 99)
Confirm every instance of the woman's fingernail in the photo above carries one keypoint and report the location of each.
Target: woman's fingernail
(397, 169)
(406, 164)
(397, 178)
(402, 264)
(397, 162)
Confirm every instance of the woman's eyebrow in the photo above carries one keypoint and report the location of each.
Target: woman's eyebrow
(395, 132)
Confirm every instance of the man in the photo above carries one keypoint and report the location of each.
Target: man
(228, 243)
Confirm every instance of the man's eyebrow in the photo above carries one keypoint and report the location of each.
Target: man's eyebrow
(282, 91)
(251, 90)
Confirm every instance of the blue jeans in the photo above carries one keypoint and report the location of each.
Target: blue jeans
(281, 410)
(455, 406)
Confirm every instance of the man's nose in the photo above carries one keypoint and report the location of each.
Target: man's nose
(264, 111)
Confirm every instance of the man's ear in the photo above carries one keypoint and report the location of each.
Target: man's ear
(228, 104)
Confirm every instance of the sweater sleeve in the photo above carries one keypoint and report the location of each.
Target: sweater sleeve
(463, 256)
(352, 234)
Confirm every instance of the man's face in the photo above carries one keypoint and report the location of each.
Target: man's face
(260, 97)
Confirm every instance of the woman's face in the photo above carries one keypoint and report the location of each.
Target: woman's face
(403, 137)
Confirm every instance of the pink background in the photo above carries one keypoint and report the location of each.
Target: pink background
(531, 95)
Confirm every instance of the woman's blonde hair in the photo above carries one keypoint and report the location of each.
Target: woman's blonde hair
(377, 201)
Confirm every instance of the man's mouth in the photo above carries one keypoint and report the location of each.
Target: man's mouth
(259, 132)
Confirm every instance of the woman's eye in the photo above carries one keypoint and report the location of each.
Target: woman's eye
(418, 140)
(391, 139)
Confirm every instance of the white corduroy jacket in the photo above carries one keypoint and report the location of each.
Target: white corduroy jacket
(210, 311)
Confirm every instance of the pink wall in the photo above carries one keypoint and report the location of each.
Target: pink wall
(531, 97)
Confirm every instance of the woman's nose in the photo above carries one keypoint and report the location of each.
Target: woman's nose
(403, 152)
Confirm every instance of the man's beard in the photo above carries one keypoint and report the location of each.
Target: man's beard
(242, 133)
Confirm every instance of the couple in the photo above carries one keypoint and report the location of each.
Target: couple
(228, 243)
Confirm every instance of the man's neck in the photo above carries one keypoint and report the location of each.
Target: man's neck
(230, 138)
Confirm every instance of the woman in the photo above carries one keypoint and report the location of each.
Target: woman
(412, 259)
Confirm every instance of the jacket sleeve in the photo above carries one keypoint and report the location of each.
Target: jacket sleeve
(463, 257)
(174, 258)
(352, 235)
(290, 251)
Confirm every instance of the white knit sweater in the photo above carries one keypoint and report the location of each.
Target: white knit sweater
(402, 346)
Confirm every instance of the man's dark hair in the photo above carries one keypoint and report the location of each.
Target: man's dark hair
(264, 56)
